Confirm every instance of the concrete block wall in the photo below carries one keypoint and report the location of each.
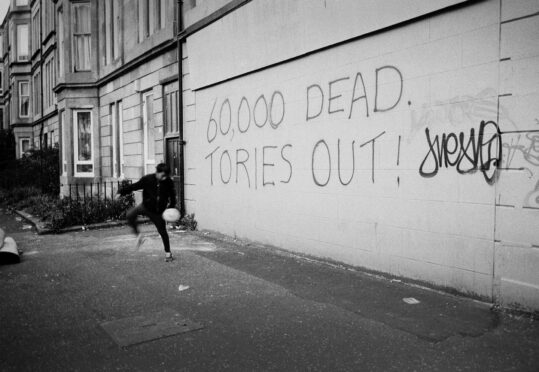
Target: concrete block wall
(386, 152)
(189, 128)
(517, 193)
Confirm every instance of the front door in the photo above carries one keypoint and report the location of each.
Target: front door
(173, 161)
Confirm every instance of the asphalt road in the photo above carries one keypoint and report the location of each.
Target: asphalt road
(260, 309)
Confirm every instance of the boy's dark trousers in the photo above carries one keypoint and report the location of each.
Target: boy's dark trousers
(155, 217)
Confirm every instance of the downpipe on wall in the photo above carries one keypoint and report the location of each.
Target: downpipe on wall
(180, 109)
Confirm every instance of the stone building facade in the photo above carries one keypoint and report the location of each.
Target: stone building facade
(96, 79)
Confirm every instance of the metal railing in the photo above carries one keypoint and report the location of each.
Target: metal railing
(103, 190)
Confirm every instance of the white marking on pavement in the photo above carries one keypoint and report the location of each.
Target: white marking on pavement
(411, 301)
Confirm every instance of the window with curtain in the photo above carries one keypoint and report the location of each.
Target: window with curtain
(84, 159)
(22, 43)
(82, 36)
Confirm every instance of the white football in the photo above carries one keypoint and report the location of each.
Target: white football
(171, 215)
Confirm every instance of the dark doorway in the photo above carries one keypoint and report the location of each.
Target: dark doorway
(173, 161)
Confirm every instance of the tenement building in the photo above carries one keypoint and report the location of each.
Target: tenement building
(400, 136)
(95, 78)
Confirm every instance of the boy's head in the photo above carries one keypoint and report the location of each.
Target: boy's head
(161, 171)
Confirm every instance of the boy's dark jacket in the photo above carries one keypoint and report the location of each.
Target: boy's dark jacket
(154, 198)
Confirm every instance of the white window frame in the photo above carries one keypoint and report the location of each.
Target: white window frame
(21, 153)
(20, 100)
(77, 162)
(147, 161)
(21, 2)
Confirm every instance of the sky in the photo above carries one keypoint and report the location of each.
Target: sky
(4, 4)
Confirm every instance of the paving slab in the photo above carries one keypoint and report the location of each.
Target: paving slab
(144, 328)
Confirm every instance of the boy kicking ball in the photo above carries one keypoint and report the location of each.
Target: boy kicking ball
(158, 194)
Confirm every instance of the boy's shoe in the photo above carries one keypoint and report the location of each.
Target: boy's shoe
(168, 257)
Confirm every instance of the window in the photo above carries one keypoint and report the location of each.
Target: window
(2, 118)
(45, 143)
(63, 130)
(36, 25)
(51, 139)
(60, 32)
(48, 17)
(112, 30)
(11, 37)
(49, 80)
(24, 146)
(22, 43)
(37, 92)
(162, 12)
(21, 2)
(1, 83)
(116, 112)
(151, 17)
(24, 99)
(171, 109)
(149, 131)
(83, 143)
(82, 37)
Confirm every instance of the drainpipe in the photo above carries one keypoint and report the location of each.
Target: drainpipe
(41, 89)
(180, 110)
(41, 76)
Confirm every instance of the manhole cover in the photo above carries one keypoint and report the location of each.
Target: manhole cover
(143, 328)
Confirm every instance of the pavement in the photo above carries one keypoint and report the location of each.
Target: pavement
(226, 305)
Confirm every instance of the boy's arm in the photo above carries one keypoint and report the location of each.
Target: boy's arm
(133, 187)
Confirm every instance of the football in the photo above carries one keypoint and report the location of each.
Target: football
(171, 215)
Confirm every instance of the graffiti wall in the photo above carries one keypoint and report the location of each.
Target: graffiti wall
(387, 152)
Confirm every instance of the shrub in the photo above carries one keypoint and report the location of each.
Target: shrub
(189, 222)
(39, 168)
(70, 212)
(18, 197)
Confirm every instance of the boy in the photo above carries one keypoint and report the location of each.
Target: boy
(157, 194)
